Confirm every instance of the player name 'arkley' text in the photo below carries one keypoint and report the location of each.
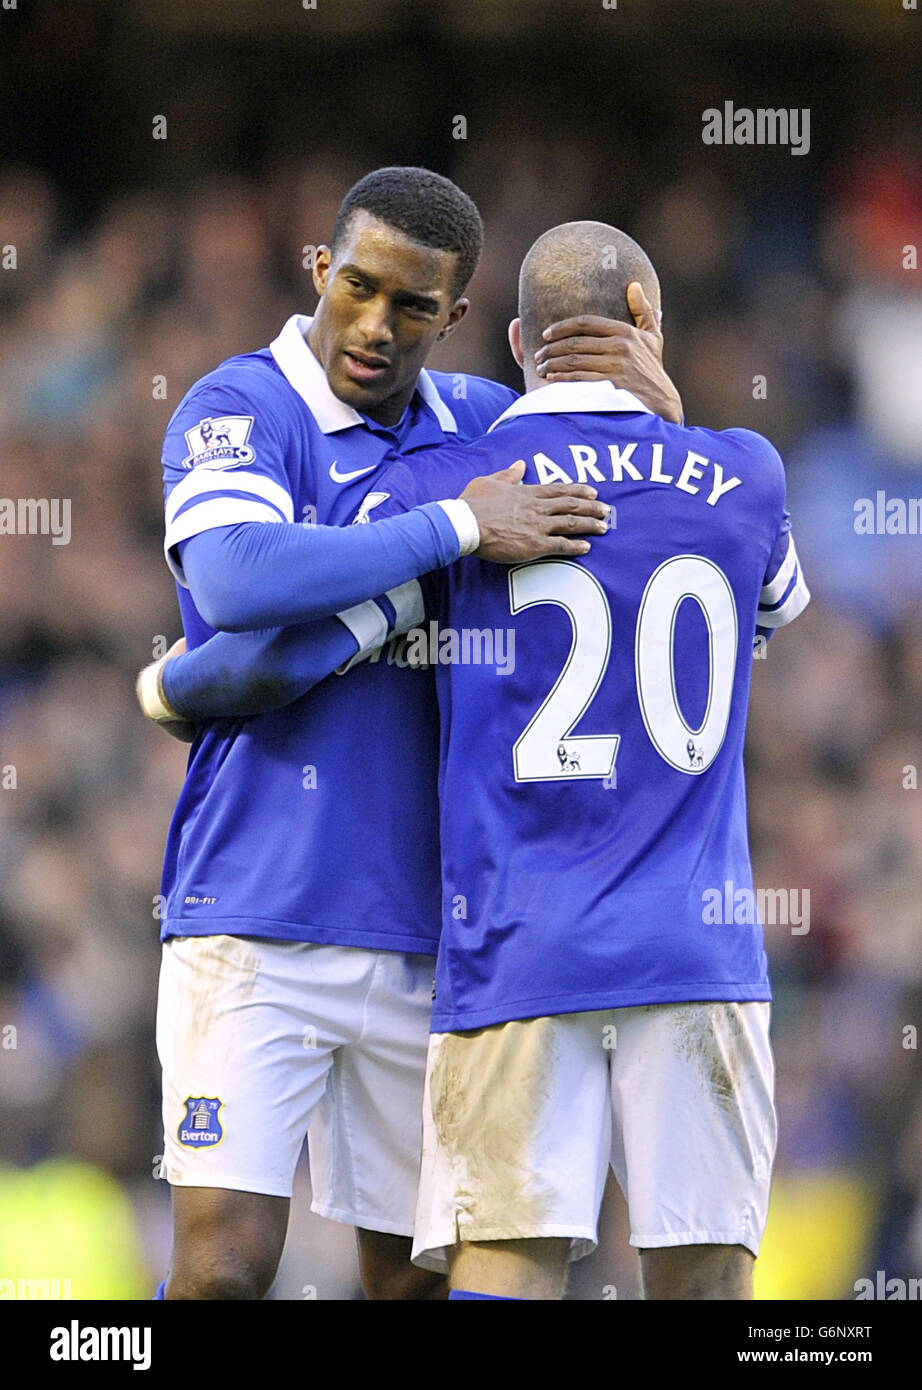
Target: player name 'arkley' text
(588, 465)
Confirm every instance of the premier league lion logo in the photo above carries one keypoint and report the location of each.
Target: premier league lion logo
(695, 754)
(220, 441)
(213, 435)
(567, 763)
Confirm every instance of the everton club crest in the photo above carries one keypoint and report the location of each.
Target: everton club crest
(201, 1126)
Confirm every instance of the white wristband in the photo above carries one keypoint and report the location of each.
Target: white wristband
(409, 608)
(464, 521)
(151, 696)
(368, 625)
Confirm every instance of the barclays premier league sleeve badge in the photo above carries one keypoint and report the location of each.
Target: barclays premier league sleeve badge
(220, 441)
(201, 1127)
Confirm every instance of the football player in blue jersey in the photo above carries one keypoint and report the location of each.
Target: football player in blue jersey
(295, 987)
(593, 1008)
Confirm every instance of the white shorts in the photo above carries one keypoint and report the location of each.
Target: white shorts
(261, 1041)
(522, 1120)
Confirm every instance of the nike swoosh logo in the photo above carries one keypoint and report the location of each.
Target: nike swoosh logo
(347, 477)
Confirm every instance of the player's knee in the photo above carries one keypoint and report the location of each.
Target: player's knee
(697, 1272)
(407, 1283)
(217, 1279)
(387, 1273)
(226, 1244)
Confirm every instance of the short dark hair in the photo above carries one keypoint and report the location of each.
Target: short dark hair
(424, 206)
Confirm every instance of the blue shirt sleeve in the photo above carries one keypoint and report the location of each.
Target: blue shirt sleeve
(245, 673)
(256, 576)
(224, 461)
(784, 593)
(407, 485)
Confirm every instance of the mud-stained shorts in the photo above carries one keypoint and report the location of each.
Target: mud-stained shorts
(262, 1042)
(521, 1121)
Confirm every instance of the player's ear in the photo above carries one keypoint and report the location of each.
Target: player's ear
(322, 262)
(515, 341)
(456, 314)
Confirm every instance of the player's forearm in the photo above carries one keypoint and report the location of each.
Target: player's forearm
(238, 674)
(254, 575)
(246, 673)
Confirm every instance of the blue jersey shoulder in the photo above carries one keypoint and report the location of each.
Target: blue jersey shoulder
(743, 453)
(250, 376)
(475, 401)
(747, 447)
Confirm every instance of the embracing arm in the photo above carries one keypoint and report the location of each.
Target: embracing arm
(253, 575)
(239, 673)
(234, 675)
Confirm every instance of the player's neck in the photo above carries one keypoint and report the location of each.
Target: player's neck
(391, 412)
(533, 382)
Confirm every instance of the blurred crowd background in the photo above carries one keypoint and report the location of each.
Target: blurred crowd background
(791, 307)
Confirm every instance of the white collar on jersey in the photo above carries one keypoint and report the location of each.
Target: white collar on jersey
(301, 369)
(573, 398)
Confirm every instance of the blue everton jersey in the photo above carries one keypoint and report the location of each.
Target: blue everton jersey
(319, 821)
(593, 713)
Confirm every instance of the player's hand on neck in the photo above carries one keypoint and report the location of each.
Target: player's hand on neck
(591, 348)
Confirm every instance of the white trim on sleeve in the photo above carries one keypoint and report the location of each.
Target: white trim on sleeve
(207, 516)
(793, 606)
(225, 480)
(772, 591)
